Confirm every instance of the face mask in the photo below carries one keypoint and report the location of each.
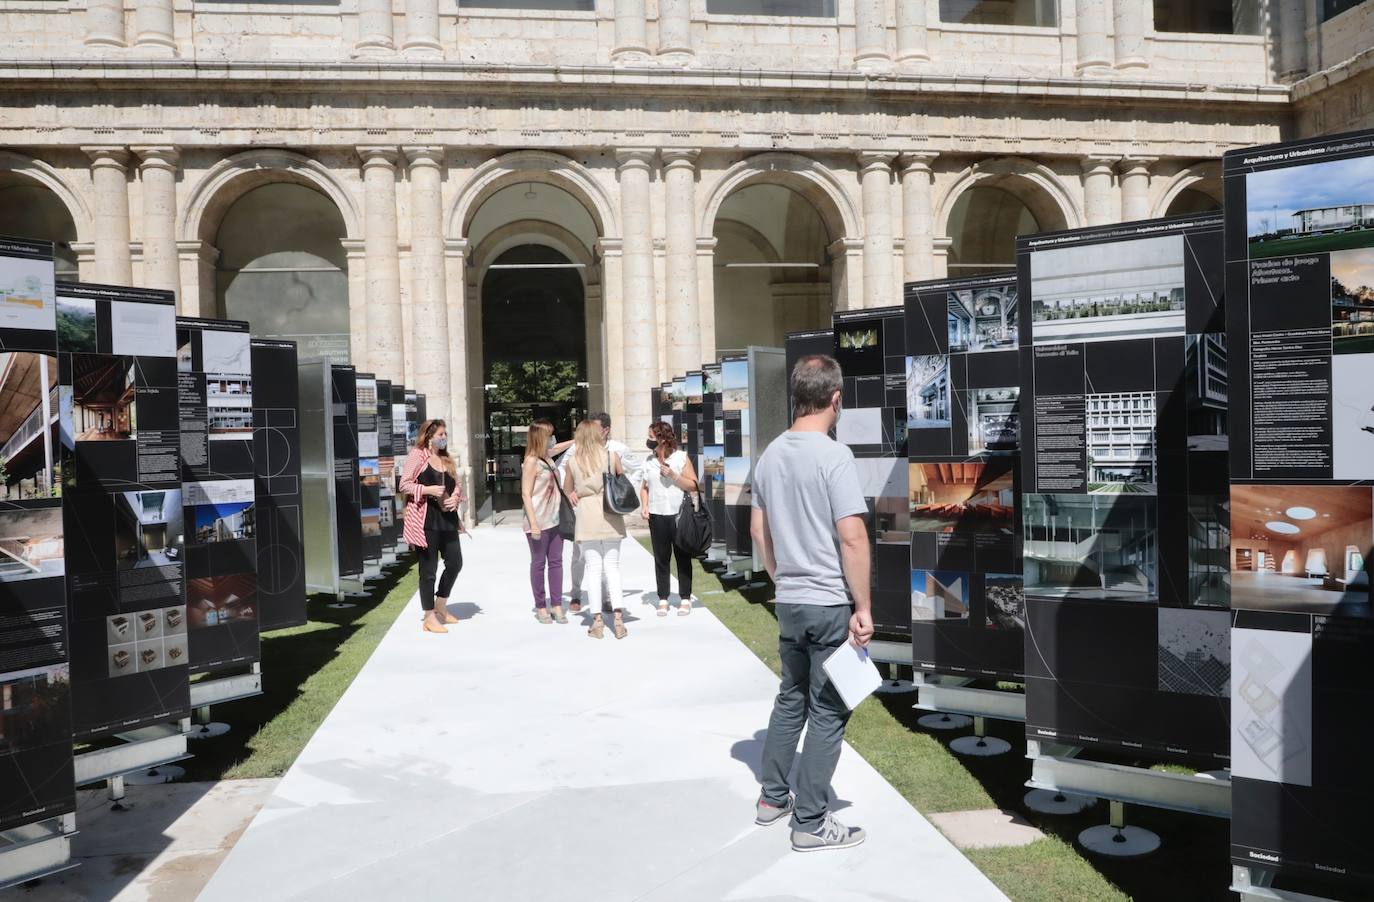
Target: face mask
(438, 444)
(651, 444)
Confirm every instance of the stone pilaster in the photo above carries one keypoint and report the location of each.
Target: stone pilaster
(939, 260)
(422, 30)
(109, 176)
(154, 28)
(1128, 23)
(429, 339)
(1097, 189)
(706, 296)
(1135, 188)
(637, 280)
(197, 261)
(613, 305)
(683, 346)
(105, 24)
(385, 326)
(1292, 16)
(631, 32)
(157, 169)
(918, 246)
(376, 29)
(913, 40)
(1094, 47)
(461, 413)
(675, 31)
(870, 36)
(847, 272)
(355, 258)
(876, 175)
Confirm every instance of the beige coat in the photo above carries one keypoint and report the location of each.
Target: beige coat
(593, 523)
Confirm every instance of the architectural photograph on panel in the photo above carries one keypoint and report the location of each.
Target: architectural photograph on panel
(928, 392)
(939, 595)
(1103, 292)
(31, 544)
(1301, 548)
(148, 528)
(1091, 547)
(994, 420)
(1006, 602)
(30, 405)
(954, 496)
(1352, 301)
(1325, 206)
(982, 320)
(103, 405)
(1121, 443)
(1206, 375)
(1195, 652)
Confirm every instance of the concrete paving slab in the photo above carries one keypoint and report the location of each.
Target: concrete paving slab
(513, 760)
(986, 827)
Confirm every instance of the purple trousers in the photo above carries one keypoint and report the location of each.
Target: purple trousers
(546, 552)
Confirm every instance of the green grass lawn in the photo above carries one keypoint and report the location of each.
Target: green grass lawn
(1339, 241)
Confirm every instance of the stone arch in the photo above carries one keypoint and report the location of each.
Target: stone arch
(1204, 177)
(752, 237)
(1034, 184)
(543, 166)
(41, 173)
(809, 178)
(236, 175)
(529, 231)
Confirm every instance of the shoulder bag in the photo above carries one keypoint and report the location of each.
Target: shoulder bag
(694, 533)
(619, 496)
(567, 514)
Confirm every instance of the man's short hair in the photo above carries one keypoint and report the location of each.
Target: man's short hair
(815, 379)
(601, 417)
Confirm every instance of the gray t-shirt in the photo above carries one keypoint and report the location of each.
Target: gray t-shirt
(805, 482)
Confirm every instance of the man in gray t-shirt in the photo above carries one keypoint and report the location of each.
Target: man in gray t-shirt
(808, 526)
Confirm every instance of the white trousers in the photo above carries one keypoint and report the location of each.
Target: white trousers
(601, 560)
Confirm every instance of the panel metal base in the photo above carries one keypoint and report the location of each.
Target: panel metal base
(945, 722)
(227, 688)
(1256, 885)
(36, 850)
(980, 746)
(1119, 842)
(154, 776)
(1058, 769)
(140, 750)
(202, 731)
(1045, 802)
(885, 651)
(952, 695)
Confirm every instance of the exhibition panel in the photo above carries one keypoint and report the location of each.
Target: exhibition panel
(733, 527)
(968, 607)
(400, 446)
(123, 517)
(710, 461)
(386, 472)
(1125, 518)
(803, 344)
(277, 477)
(36, 776)
(215, 397)
(369, 474)
(870, 346)
(348, 497)
(1300, 285)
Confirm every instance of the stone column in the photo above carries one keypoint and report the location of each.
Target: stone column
(683, 344)
(430, 338)
(846, 273)
(1292, 15)
(109, 174)
(355, 258)
(1097, 189)
(422, 30)
(612, 301)
(105, 23)
(385, 345)
(155, 28)
(1135, 188)
(637, 292)
(631, 32)
(675, 31)
(876, 173)
(706, 296)
(198, 286)
(461, 415)
(157, 169)
(918, 249)
(1128, 21)
(375, 28)
(912, 38)
(870, 35)
(939, 268)
(1094, 47)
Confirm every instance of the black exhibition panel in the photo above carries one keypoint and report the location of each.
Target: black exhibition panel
(968, 606)
(400, 444)
(690, 433)
(386, 468)
(710, 463)
(36, 776)
(870, 346)
(369, 472)
(277, 466)
(215, 398)
(1125, 526)
(122, 507)
(421, 407)
(1300, 318)
(803, 344)
(348, 512)
(733, 526)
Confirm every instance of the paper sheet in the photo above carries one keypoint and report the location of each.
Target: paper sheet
(854, 675)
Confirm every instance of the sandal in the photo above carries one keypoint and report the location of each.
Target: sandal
(663, 609)
(597, 630)
(558, 614)
(620, 631)
(684, 607)
(543, 615)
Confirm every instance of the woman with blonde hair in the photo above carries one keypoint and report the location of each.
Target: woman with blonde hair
(539, 494)
(598, 532)
(431, 525)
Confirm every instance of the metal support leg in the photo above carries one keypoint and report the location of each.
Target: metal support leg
(205, 728)
(1116, 839)
(980, 744)
(117, 793)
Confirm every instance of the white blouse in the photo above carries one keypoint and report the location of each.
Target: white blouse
(665, 497)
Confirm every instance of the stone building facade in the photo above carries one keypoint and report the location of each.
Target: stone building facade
(713, 172)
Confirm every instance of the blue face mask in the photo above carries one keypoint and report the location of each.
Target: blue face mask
(439, 444)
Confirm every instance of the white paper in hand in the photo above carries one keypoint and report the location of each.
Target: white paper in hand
(855, 676)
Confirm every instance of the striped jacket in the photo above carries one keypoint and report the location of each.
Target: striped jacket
(413, 522)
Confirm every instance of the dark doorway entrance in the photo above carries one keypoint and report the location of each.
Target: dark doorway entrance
(534, 350)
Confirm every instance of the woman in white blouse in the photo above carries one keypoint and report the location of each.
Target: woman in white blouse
(665, 477)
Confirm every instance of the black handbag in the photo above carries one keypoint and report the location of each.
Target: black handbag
(567, 514)
(619, 496)
(694, 532)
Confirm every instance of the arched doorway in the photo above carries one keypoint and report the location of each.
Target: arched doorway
(983, 225)
(534, 352)
(1191, 200)
(282, 266)
(29, 210)
(772, 268)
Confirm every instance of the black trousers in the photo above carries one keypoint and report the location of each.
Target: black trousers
(662, 529)
(443, 545)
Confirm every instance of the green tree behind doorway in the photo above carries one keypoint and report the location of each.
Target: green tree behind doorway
(534, 381)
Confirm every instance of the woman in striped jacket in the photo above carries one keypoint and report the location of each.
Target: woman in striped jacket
(429, 479)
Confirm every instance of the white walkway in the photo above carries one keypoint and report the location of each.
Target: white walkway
(514, 761)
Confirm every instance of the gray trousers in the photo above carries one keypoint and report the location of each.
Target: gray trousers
(807, 635)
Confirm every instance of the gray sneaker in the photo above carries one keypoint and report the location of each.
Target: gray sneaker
(831, 835)
(770, 814)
